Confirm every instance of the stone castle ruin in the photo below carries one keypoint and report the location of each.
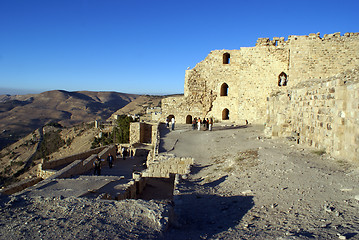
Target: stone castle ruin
(305, 88)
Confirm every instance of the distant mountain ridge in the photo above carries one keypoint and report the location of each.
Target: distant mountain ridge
(21, 114)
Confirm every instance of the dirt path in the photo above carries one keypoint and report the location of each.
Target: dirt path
(244, 186)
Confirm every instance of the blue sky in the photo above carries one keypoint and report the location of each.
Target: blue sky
(142, 46)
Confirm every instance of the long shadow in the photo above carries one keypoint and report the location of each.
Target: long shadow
(220, 128)
(216, 182)
(203, 216)
(163, 132)
(197, 168)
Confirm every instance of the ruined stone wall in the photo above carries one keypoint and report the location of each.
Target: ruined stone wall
(140, 132)
(76, 167)
(320, 113)
(315, 57)
(247, 77)
(253, 73)
(69, 159)
(176, 106)
(164, 165)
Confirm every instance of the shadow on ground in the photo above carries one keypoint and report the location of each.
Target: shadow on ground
(203, 216)
(163, 132)
(219, 128)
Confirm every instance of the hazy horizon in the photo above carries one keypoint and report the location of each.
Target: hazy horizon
(14, 91)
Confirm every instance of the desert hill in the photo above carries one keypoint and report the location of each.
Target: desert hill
(22, 114)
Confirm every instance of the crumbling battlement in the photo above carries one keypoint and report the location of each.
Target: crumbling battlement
(280, 41)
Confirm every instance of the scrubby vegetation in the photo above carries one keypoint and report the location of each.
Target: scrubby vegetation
(51, 143)
(119, 134)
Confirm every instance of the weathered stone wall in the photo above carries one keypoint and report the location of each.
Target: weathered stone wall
(17, 187)
(164, 165)
(78, 166)
(252, 73)
(69, 159)
(320, 113)
(312, 57)
(141, 132)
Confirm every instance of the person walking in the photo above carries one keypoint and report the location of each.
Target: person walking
(173, 123)
(110, 160)
(199, 124)
(97, 166)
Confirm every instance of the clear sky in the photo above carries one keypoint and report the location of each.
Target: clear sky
(143, 46)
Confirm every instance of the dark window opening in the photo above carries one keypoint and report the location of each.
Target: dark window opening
(224, 90)
(226, 58)
(225, 114)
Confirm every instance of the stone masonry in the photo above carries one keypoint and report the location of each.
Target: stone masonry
(323, 113)
(233, 85)
(303, 88)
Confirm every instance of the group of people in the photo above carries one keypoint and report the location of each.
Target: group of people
(127, 152)
(98, 162)
(207, 124)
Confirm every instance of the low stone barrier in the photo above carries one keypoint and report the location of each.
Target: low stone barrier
(17, 187)
(77, 166)
(69, 159)
(164, 165)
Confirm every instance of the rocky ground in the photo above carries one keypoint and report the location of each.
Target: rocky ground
(242, 186)
(81, 218)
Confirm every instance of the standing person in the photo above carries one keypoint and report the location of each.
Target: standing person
(210, 124)
(204, 123)
(97, 166)
(199, 124)
(167, 122)
(173, 123)
(194, 123)
(207, 124)
(124, 153)
(110, 160)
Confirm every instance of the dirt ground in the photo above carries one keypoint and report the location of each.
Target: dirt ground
(242, 186)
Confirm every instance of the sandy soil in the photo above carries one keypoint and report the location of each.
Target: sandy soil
(242, 186)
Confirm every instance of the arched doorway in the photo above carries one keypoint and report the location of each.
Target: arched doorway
(189, 119)
(170, 117)
(225, 114)
(224, 90)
